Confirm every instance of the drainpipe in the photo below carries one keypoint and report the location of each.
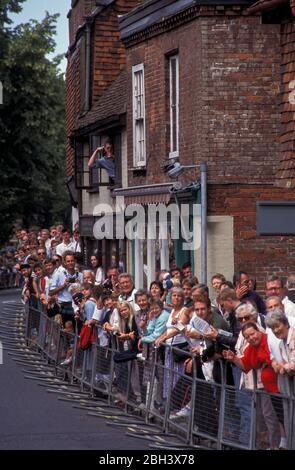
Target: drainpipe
(203, 168)
(87, 65)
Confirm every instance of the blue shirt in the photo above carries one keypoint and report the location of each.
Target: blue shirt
(88, 309)
(156, 327)
(59, 278)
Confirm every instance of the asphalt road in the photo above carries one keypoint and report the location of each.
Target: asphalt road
(31, 418)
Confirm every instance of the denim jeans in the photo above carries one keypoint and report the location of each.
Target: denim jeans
(243, 403)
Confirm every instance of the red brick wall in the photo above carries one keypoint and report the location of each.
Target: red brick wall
(229, 117)
(286, 170)
(72, 105)
(258, 255)
(229, 88)
(79, 11)
(108, 59)
(108, 56)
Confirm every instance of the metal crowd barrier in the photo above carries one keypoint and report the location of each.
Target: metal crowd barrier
(164, 392)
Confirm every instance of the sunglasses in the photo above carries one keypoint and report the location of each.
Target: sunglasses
(245, 318)
(41, 253)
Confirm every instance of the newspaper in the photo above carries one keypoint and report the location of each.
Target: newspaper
(200, 325)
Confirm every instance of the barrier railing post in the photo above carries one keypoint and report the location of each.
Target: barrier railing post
(253, 425)
(74, 357)
(221, 405)
(27, 315)
(291, 431)
(171, 379)
(193, 401)
(151, 384)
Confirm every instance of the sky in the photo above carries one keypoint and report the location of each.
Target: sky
(35, 9)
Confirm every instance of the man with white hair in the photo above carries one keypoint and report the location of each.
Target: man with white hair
(274, 302)
(128, 290)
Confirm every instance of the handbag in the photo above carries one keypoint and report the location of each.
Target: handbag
(124, 356)
(87, 337)
(53, 311)
(178, 352)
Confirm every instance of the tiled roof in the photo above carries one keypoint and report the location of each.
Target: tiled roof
(111, 104)
(264, 5)
(152, 12)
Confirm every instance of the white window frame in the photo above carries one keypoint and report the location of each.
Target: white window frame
(174, 153)
(139, 146)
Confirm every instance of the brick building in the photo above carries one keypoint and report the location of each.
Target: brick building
(211, 76)
(96, 111)
(198, 81)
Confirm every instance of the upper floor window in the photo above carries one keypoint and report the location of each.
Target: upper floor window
(139, 142)
(94, 176)
(174, 105)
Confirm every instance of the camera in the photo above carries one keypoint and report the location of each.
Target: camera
(77, 298)
(107, 284)
(72, 280)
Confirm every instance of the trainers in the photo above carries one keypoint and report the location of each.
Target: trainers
(101, 385)
(140, 357)
(159, 406)
(66, 362)
(120, 398)
(141, 406)
(183, 413)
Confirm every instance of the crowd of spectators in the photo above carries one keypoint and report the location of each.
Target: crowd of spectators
(236, 325)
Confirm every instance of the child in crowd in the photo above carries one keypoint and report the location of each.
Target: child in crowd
(69, 342)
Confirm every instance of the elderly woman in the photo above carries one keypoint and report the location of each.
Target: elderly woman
(257, 356)
(283, 357)
(88, 276)
(280, 326)
(142, 299)
(244, 313)
(178, 317)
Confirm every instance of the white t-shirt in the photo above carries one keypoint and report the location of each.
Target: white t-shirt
(62, 247)
(179, 338)
(289, 307)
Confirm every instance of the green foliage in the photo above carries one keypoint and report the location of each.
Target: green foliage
(9, 6)
(32, 126)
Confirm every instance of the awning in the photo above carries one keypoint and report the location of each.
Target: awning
(159, 193)
(148, 199)
(150, 194)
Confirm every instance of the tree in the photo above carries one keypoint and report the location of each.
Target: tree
(32, 126)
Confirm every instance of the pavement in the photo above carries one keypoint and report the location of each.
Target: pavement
(32, 419)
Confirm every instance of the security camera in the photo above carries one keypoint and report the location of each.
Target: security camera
(176, 170)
